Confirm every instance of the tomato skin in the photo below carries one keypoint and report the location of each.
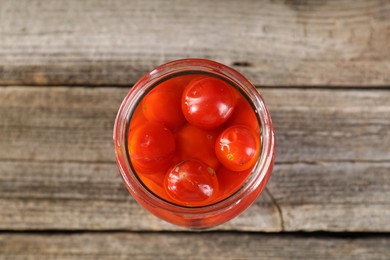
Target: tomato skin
(191, 183)
(238, 148)
(208, 102)
(163, 103)
(195, 143)
(151, 147)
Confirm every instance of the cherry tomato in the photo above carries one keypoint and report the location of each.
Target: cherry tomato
(191, 183)
(151, 147)
(230, 181)
(243, 114)
(238, 148)
(163, 103)
(195, 143)
(208, 102)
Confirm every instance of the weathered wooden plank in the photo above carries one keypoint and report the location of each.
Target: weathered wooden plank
(273, 43)
(190, 246)
(91, 196)
(58, 124)
(333, 196)
(75, 124)
(78, 196)
(57, 167)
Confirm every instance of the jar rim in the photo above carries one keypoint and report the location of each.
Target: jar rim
(175, 68)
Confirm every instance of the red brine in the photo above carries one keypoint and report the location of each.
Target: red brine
(183, 125)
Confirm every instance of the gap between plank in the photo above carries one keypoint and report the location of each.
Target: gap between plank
(128, 86)
(322, 162)
(303, 234)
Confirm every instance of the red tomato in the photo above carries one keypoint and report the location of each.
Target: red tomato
(238, 148)
(230, 181)
(191, 183)
(208, 102)
(244, 114)
(163, 103)
(195, 143)
(151, 147)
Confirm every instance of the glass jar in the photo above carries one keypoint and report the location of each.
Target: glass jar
(199, 216)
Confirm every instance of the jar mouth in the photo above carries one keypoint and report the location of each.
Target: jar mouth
(185, 67)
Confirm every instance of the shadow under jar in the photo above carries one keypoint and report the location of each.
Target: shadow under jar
(194, 142)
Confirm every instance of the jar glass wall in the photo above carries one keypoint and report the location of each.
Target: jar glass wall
(216, 212)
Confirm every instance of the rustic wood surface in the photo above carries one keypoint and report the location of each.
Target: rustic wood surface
(60, 173)
(78, 196)
(312, 125)
(191, 246)
(323, 68)
(273, 43)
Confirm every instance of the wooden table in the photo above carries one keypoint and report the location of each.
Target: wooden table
(323, 68)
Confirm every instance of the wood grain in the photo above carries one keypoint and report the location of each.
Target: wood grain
(333, 196)
(75, 124)
(190, 246)
(57, 167)
(91, 196)
(95, 42)
(61, 196)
